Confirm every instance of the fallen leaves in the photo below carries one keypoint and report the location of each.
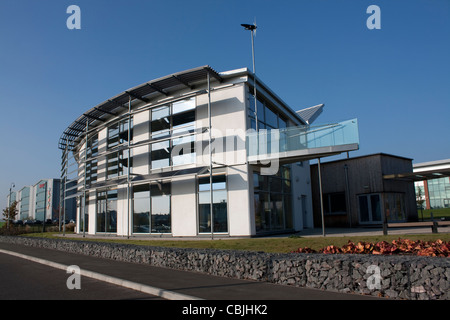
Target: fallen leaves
(436, 248)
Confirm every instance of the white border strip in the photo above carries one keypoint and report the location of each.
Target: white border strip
(163, 293)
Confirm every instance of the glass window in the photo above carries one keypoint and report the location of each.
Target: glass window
(178, 124)
(152, 208)
(160, 154)
(260, 111)
(91, 171)
(107, 211)
(160, 122)
(439, 192)
(220, 216)
(92, 165)
(118, 133)
(335, 203)
(369, 206)
(184, 105)
(160, 208)
(271, 118)
(376, 209)
(141, 209)
(363, 209)
(113, 135)
(84, 218)
(272, 201)
(92, 146)
(183, 151)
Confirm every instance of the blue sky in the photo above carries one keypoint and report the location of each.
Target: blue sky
(395, 80)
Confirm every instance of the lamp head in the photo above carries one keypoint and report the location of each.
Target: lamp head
(249, 26)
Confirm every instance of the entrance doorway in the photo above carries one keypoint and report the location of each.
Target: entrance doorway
(369, 207)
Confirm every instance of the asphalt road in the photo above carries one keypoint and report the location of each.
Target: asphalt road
(21, 279)
(24, 279)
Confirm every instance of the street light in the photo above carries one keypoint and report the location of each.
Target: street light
(252, 28)
(9, 204)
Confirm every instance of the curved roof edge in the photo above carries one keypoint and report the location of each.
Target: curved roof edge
(162, 86)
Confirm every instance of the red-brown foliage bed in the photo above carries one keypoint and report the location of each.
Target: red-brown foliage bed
(437, 248)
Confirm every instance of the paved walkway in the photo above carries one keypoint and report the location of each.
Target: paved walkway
(347, 232)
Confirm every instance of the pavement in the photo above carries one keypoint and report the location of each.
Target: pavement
(172, 284)
(368, 231)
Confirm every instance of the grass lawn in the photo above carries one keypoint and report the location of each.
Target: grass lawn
(437, 214)
(272, 245)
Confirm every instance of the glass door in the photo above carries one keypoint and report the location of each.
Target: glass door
(369, 206)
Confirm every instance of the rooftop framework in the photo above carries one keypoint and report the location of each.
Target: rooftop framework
(164, 86)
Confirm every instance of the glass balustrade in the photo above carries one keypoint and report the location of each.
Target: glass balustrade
(276, 141)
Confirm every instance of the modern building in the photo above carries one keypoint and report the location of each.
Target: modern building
(40, 201)
(363, 191)
(159, 158)
(433, 178)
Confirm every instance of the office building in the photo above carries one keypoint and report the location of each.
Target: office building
(196, 154)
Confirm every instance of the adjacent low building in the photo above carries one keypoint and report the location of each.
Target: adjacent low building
(364, 191)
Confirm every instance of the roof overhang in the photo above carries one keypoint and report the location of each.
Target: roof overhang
(419, 176)
(164, 86)
(309, 115)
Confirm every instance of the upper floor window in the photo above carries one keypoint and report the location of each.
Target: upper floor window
(268, 118)
(118, 133)
(173, 125)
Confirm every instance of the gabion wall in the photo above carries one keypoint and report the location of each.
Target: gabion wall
(399, 277)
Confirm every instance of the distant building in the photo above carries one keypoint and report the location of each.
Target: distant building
(435, 185)
(361, 191)
(41, 201)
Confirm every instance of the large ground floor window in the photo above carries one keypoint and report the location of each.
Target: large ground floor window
(273, 201)
(107, 211)
(152, 208)
(83, 214)
(219, 206)
(394, 205)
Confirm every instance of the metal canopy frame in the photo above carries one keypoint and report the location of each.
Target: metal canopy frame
(163, 86)
(419, 175)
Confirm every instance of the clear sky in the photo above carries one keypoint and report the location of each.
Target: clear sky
(395, 80)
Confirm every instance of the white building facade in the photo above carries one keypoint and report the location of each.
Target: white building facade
(149, 170)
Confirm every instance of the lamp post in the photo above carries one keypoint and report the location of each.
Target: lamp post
(252, 28)
(9, 203)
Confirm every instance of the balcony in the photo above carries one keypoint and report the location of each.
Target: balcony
(302, 143)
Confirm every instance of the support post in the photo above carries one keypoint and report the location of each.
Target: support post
(254, 81)
(85, 176)
(321, 198)
(64, 190)
(210, 158)
(128, 171)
